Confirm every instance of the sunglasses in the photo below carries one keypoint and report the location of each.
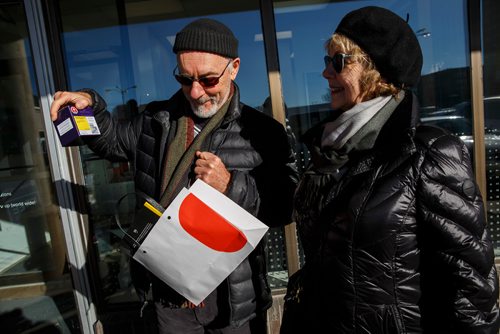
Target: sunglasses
(205, 82)
(338, 61)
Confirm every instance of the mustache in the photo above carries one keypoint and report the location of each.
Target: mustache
(204, 99)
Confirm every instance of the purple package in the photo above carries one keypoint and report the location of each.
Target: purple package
(72, 123)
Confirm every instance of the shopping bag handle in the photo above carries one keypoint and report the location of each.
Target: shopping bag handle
(117, 215)
(149, 203)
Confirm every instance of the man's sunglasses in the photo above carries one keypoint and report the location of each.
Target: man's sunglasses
(338, 61)
(205, 82)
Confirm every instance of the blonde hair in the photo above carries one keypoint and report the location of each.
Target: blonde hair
(371, 82)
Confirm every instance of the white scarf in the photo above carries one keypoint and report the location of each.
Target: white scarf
(338, 132)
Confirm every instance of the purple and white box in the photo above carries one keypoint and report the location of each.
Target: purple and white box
(71, 124)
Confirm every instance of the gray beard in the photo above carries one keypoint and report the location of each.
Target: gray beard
(201, 112)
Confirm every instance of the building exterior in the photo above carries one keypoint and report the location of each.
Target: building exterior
(62, 268)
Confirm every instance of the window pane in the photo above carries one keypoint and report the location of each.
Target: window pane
(36, 289)
(491, 81)
(124, 51)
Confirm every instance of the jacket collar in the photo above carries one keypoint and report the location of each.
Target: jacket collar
(234, 109)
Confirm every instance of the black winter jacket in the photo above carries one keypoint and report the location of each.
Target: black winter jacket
(397, 241)
(255, 150)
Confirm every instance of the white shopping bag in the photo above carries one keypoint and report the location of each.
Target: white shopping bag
(198, 241)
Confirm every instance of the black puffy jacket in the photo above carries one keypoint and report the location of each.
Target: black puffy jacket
(254, 148)
(398, 243)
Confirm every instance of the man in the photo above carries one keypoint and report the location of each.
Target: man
(203, 132)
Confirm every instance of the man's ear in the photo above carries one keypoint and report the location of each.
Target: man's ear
(236, 68)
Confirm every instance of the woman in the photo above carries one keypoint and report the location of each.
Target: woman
(389, 215)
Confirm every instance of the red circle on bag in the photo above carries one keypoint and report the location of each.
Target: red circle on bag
(208, 227)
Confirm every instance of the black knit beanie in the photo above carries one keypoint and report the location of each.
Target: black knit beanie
(388, 40)
(208, 36)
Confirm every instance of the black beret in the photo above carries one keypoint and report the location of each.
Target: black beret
(388, 40)
(207, 35)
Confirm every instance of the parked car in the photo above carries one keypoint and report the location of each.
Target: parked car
(458, 118)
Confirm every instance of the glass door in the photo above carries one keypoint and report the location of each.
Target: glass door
(36, 293)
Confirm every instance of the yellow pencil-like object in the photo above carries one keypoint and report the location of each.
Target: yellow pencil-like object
(152, 209)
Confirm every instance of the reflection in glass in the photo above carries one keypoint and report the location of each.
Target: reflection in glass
(32, 249)
(491, 81)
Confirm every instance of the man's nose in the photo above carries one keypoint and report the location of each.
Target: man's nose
(197, 90)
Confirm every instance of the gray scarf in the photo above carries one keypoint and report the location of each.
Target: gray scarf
(360, 132)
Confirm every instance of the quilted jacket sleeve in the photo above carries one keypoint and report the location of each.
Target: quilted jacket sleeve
(264, 189)
(459, 280)
(118, 140)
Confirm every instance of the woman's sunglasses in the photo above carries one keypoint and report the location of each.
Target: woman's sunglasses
(205, 82)
(338, 61)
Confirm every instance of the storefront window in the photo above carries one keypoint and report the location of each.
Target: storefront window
(491, 83)
(36, 293)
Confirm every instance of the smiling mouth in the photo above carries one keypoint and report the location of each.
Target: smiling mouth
(336, 89)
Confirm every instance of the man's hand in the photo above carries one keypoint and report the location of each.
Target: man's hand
(80, 100)
(212, 171)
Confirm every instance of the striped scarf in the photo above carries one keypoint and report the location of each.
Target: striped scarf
(181, 152)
